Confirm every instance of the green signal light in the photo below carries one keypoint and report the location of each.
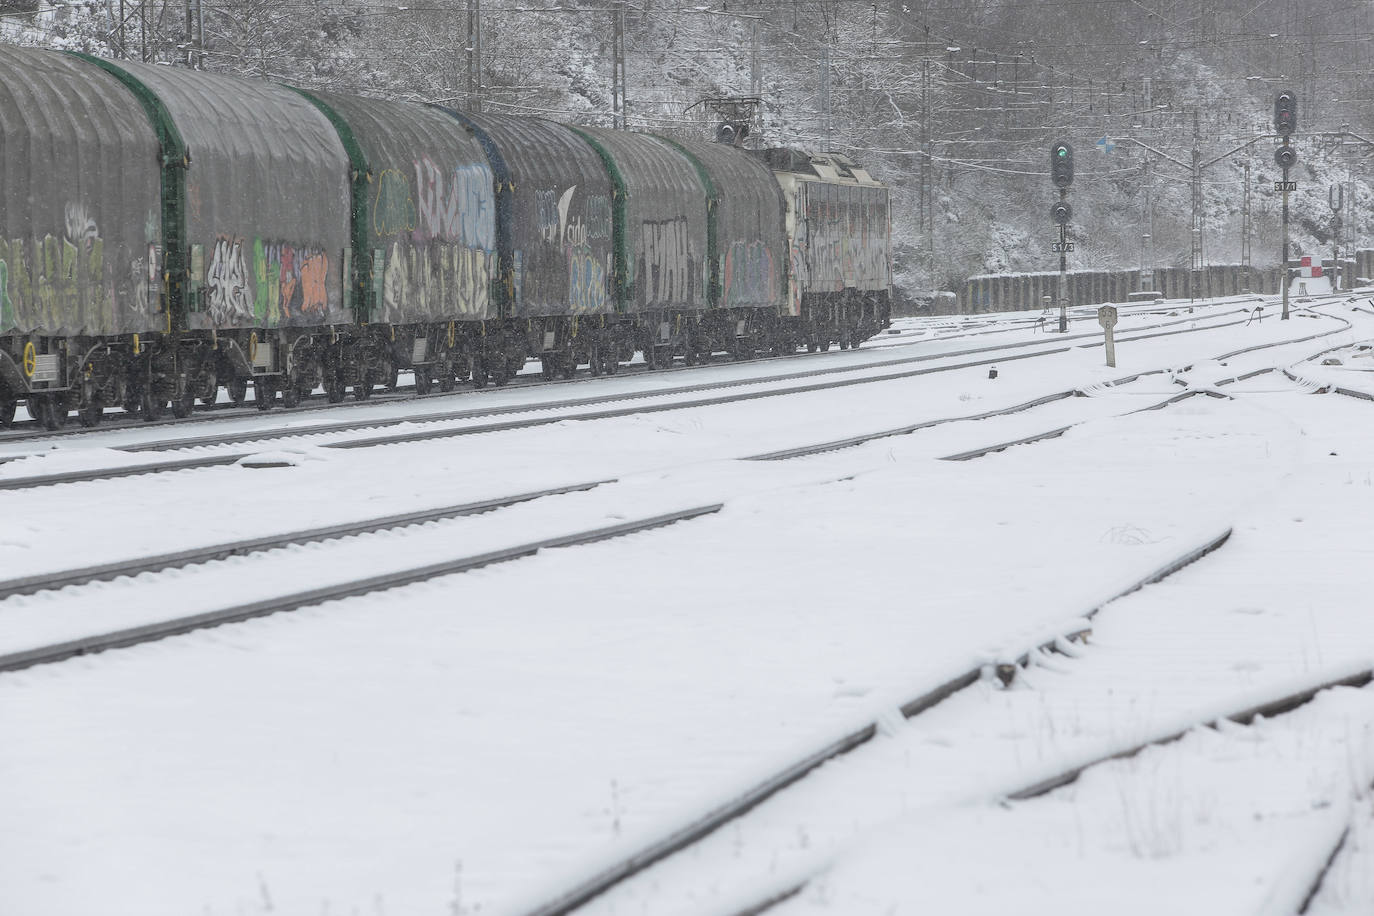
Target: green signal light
(1061, 152)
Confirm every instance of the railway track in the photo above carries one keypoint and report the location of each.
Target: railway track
(1244, 714)
(105, 572)
(29, 430)
(162, 629)
(470, 413)
(200, 461)
(688, 834)
(852, 441)
(178, 559)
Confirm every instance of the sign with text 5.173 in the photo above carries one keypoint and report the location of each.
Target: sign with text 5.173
(1061, 247)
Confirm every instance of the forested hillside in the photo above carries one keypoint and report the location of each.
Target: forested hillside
(954, 102)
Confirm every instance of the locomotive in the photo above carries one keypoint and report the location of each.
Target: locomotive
(165, 233)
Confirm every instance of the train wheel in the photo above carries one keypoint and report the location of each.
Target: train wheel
(363, 390)
(7, 407)
(237, 390)
(501, 373)
(208, 389)
(569, 366)
(45, 410)
(548, 368)
(291, 395)
(90, 412)
(183, 405)
(424, 382)
(334, 387)
(446, 380)
(152, 405)
(263, 393)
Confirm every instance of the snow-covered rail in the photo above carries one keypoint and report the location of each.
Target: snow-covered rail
(554, 412)
(728, 810)
(1246, 715)
(137, 635)
(1061, 430)
(105, 572)
(22, 431)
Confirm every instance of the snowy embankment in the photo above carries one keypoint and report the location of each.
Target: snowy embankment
(482, 740)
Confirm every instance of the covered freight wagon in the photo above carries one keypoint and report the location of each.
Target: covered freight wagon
(80, 233)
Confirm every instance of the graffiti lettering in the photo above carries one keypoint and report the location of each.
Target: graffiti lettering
(143, 274)
(57, 283)
(284, 282)
(844, 244)
(546, 215)
(472, 184)
(463, 211)
(231, 301)
(551, 215)
(267, 277)
(748, 274)
(80, 227)
(301, 279)
(6, 306)
(393, 210)
(664, 269)
(586, 281)
(598, 217)
(426, 283)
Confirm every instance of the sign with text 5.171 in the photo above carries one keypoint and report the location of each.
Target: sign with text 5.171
(1285, 186)
(1061, 247)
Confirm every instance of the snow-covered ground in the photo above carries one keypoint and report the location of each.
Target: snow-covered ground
(479, 743)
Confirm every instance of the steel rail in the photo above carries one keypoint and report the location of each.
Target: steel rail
(224, 412)
(1056, 433)
(1244, 716)
(182, 442)
(424, 435)
(697, 829)
(104, 572)
(834, 445)
(475, 413)
(1314, 887)
(137, 635)
(41, 480)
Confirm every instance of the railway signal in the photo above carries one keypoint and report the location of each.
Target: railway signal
(1285, 157)
(1061, 164)
(1061, 174)
(1285, 113)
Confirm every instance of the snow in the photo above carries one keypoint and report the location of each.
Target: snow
(481, 742)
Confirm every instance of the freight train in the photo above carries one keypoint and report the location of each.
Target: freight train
(167, 233)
